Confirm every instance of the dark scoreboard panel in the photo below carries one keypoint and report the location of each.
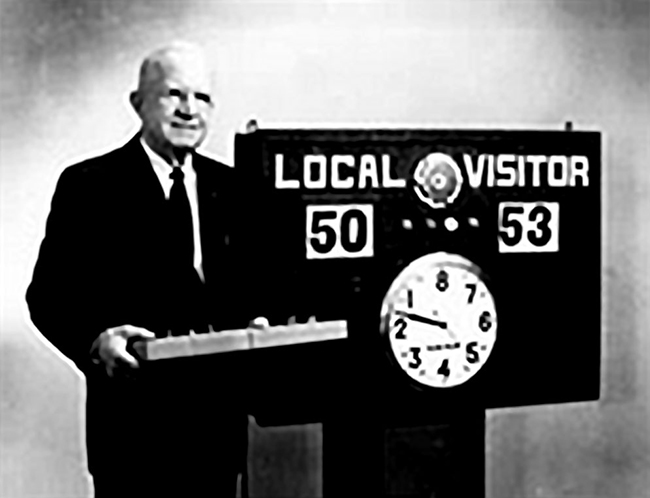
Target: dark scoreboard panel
(330, 218)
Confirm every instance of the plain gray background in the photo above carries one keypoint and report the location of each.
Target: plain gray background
(67, 67)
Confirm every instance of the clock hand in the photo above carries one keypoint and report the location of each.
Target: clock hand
(423, 319)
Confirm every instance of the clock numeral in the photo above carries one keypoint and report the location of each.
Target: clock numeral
(402, 325)
(444, 368)
(409, 298)
(442, 283)
(417, 361)
(472, 354)
(472, 292)
(485, 321)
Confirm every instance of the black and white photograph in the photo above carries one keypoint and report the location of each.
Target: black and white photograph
(325, 248)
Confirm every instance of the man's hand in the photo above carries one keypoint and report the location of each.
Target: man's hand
(110, 349)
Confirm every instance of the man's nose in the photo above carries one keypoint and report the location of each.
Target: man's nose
(188, 107)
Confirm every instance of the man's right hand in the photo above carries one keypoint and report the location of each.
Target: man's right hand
(110, 349)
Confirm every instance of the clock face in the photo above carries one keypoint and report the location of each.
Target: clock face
(440, 320)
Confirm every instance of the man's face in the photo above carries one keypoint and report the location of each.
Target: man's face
(175, 103)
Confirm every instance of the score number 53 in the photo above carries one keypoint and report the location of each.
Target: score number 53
(529, 226)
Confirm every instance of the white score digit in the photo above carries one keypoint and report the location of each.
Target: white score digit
(529, 227)
(340, 231)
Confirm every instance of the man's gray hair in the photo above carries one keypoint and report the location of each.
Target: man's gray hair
(156, 63)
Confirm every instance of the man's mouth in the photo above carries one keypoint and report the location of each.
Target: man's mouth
(185, 126)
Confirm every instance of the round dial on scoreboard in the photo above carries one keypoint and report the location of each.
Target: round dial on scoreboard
(440, 320)
(438, 180)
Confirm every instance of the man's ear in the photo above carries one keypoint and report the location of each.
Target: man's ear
(136, 100)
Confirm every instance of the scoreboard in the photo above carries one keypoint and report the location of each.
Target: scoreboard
(467, 263)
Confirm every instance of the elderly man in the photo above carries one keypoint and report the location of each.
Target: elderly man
(137, 245)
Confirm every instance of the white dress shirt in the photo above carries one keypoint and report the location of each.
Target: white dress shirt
(163, 169)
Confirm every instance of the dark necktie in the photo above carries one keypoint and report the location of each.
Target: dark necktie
(181, 230)
(186, 288)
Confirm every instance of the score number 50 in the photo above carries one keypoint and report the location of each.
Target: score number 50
(339, 231)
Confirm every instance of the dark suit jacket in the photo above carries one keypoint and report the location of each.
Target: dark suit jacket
(102, 264)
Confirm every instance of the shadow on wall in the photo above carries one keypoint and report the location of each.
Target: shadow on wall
(619, 375)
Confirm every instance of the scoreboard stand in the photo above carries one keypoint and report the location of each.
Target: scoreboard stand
(364, 458)
(467, 263)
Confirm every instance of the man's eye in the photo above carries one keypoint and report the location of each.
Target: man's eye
(174, 92)
(204, 97)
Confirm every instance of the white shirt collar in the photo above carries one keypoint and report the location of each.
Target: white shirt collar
(162, 167)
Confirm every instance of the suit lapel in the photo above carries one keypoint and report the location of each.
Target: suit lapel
(211, 226)
(142, 177)
(140, 201)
